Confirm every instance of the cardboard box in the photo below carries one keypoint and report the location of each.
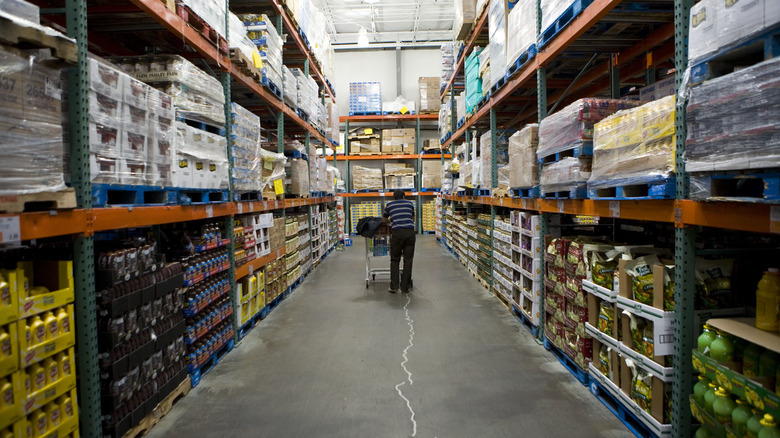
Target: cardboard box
(430, 94)
(658, 391)
(703, 34)
(738, 20)
(657, 90)
(431, 144)
(133, 172)
(106, 80)
(431, 167)
(103, 169)
(183, 170)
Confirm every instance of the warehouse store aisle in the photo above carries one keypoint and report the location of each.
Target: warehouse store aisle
(326, 363)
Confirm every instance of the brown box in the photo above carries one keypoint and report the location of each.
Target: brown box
(614, 362)
(627, 290)
(430, 94)
(431, 167)
(594, 309)
(658, 392)
(431, 144)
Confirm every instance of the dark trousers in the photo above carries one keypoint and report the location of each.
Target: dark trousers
(401, 244)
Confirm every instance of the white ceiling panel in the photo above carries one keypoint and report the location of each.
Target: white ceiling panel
(388, 21)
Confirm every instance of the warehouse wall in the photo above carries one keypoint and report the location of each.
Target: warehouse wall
(380, 66)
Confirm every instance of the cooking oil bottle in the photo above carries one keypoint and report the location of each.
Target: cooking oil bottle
(767, 300)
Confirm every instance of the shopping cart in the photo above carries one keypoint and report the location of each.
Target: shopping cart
(377, 246)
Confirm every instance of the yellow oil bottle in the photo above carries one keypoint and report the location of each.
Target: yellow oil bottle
(52, 370)
(767, 301)
(38, 329)
(52, 327)
(5, 343)
(7, 389)
(63, 321)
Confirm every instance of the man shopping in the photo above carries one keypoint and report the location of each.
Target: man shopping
(401, 214)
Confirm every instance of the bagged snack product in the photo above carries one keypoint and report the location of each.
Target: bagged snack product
(641, 272)
(606, 317)
(602, 264)
(604, 360)
(647, 340)
(636, 325)
(642, 388)
(713, 283)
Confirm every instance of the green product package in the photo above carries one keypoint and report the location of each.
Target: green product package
(604, 360)
(603, 262)
(713, 283)
(669, 288)
(647, 340)
(606, 317)
(641, 272)
(636, 326)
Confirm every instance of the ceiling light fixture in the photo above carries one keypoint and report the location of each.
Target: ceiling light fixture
(362, 37)
(371, 2)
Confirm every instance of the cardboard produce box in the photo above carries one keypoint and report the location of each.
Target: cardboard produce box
(393, 182)
(430, 97)
(399, 169)
(431, 144)
(431, 174)
(365, 178)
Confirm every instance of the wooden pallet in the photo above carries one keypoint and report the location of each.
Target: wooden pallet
(502, 299)
(24, 37)
(62, 199)
(163, 408)
(245, 65)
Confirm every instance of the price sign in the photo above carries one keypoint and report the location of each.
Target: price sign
(210, 211)
(9, 229)
(240, 207)
(561, 206)
(614, 208)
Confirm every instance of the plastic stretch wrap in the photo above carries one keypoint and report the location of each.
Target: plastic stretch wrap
(299, 176)
(466, 170)
(573, 125)
(365, 178)
(521, 29)
(485, 154)
(497, 29)
(445, 117)
(273, 167)
(290, 84)
(295, 145)
(365, 97)
(238, 39)
(21, 9)
(484, 68)
(245, 141)
(523, 164)
(31, 138)
(449, 53)
(732, 121)
(703, 34)
(551, 10)
(429, 94)
(211, 11)
(460, 105)
(567, 174)
(399, 105)
(201, 157)
(473, 80)
(465, 13)
(332, 129)
(196, 94)
(635, 146)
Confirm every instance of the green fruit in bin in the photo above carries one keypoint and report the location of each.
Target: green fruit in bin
(722, 348)
(722, 406)
(750, 357)
(705, 339)
(709, 398)
(699, 389)
(740, 416)
(702, 432)
(754, 424)
(768, 428)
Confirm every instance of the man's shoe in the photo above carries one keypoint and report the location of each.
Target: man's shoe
(404, 291)
(392, 291)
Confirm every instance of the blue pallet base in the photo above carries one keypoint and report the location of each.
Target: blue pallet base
(460, 123)
(319, 194)
(578, 373)
(397, 113)
(583, 149)
(104, 195)
(501, 82)
(365, 113)
(430, 190)
(271, 87)
(520, 316)
(253, 321)
(530, 192)
(428, 233)
(521, 61)
(482, 192)
(747, 185)
(295, 154)
(562, 21)
(661, 189)
(766, 43)
(203, 126)
(368, 191)
(628, 418)
(302, 115)
(432, 152)
(197, 373)
(576, 193)
(202, 196)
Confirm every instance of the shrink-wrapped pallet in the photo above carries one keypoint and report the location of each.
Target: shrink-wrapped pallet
(523, 164)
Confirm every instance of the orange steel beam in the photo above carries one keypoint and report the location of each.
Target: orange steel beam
(740, 216)
(389, 118)
(469, 46)
(44, 224)
(381, 157)
(293, 32)
(244, 270)
(157, 10)
(115, 218)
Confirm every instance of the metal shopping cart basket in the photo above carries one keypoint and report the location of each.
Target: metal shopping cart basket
(377, 246)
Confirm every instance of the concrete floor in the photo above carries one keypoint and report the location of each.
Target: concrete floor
(327, 362)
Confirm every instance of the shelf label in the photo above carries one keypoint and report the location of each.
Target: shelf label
(10, 230)
(265, 205)
(614, 208)
(251, 206)
(774, 219)
(240, 207)
(251, 269)
(210, 211)
(561, 206)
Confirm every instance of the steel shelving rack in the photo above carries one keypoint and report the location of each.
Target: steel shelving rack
(664, 44)
(417, 155)
(84, 221)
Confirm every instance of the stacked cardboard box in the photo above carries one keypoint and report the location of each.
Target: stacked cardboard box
(364, 178)
(431, 174)
(363, 209)
(399, 176)
(398, 141)
(364, 141)
(432, 144)
(429, 95)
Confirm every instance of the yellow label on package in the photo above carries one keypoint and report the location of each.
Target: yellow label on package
(256, 59)
(368, 131)
(404, 110)
(278, 187)
(268, 164)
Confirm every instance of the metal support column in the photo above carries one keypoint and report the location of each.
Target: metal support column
(493, 150)
(468, 145)
(614, 76)
(684, 238)
(541, 91)
(83, 246)
(280, 132)
(230, 220)
(306, 144)
(492, 231)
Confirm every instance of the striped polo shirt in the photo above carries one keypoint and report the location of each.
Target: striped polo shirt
(401, 212)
